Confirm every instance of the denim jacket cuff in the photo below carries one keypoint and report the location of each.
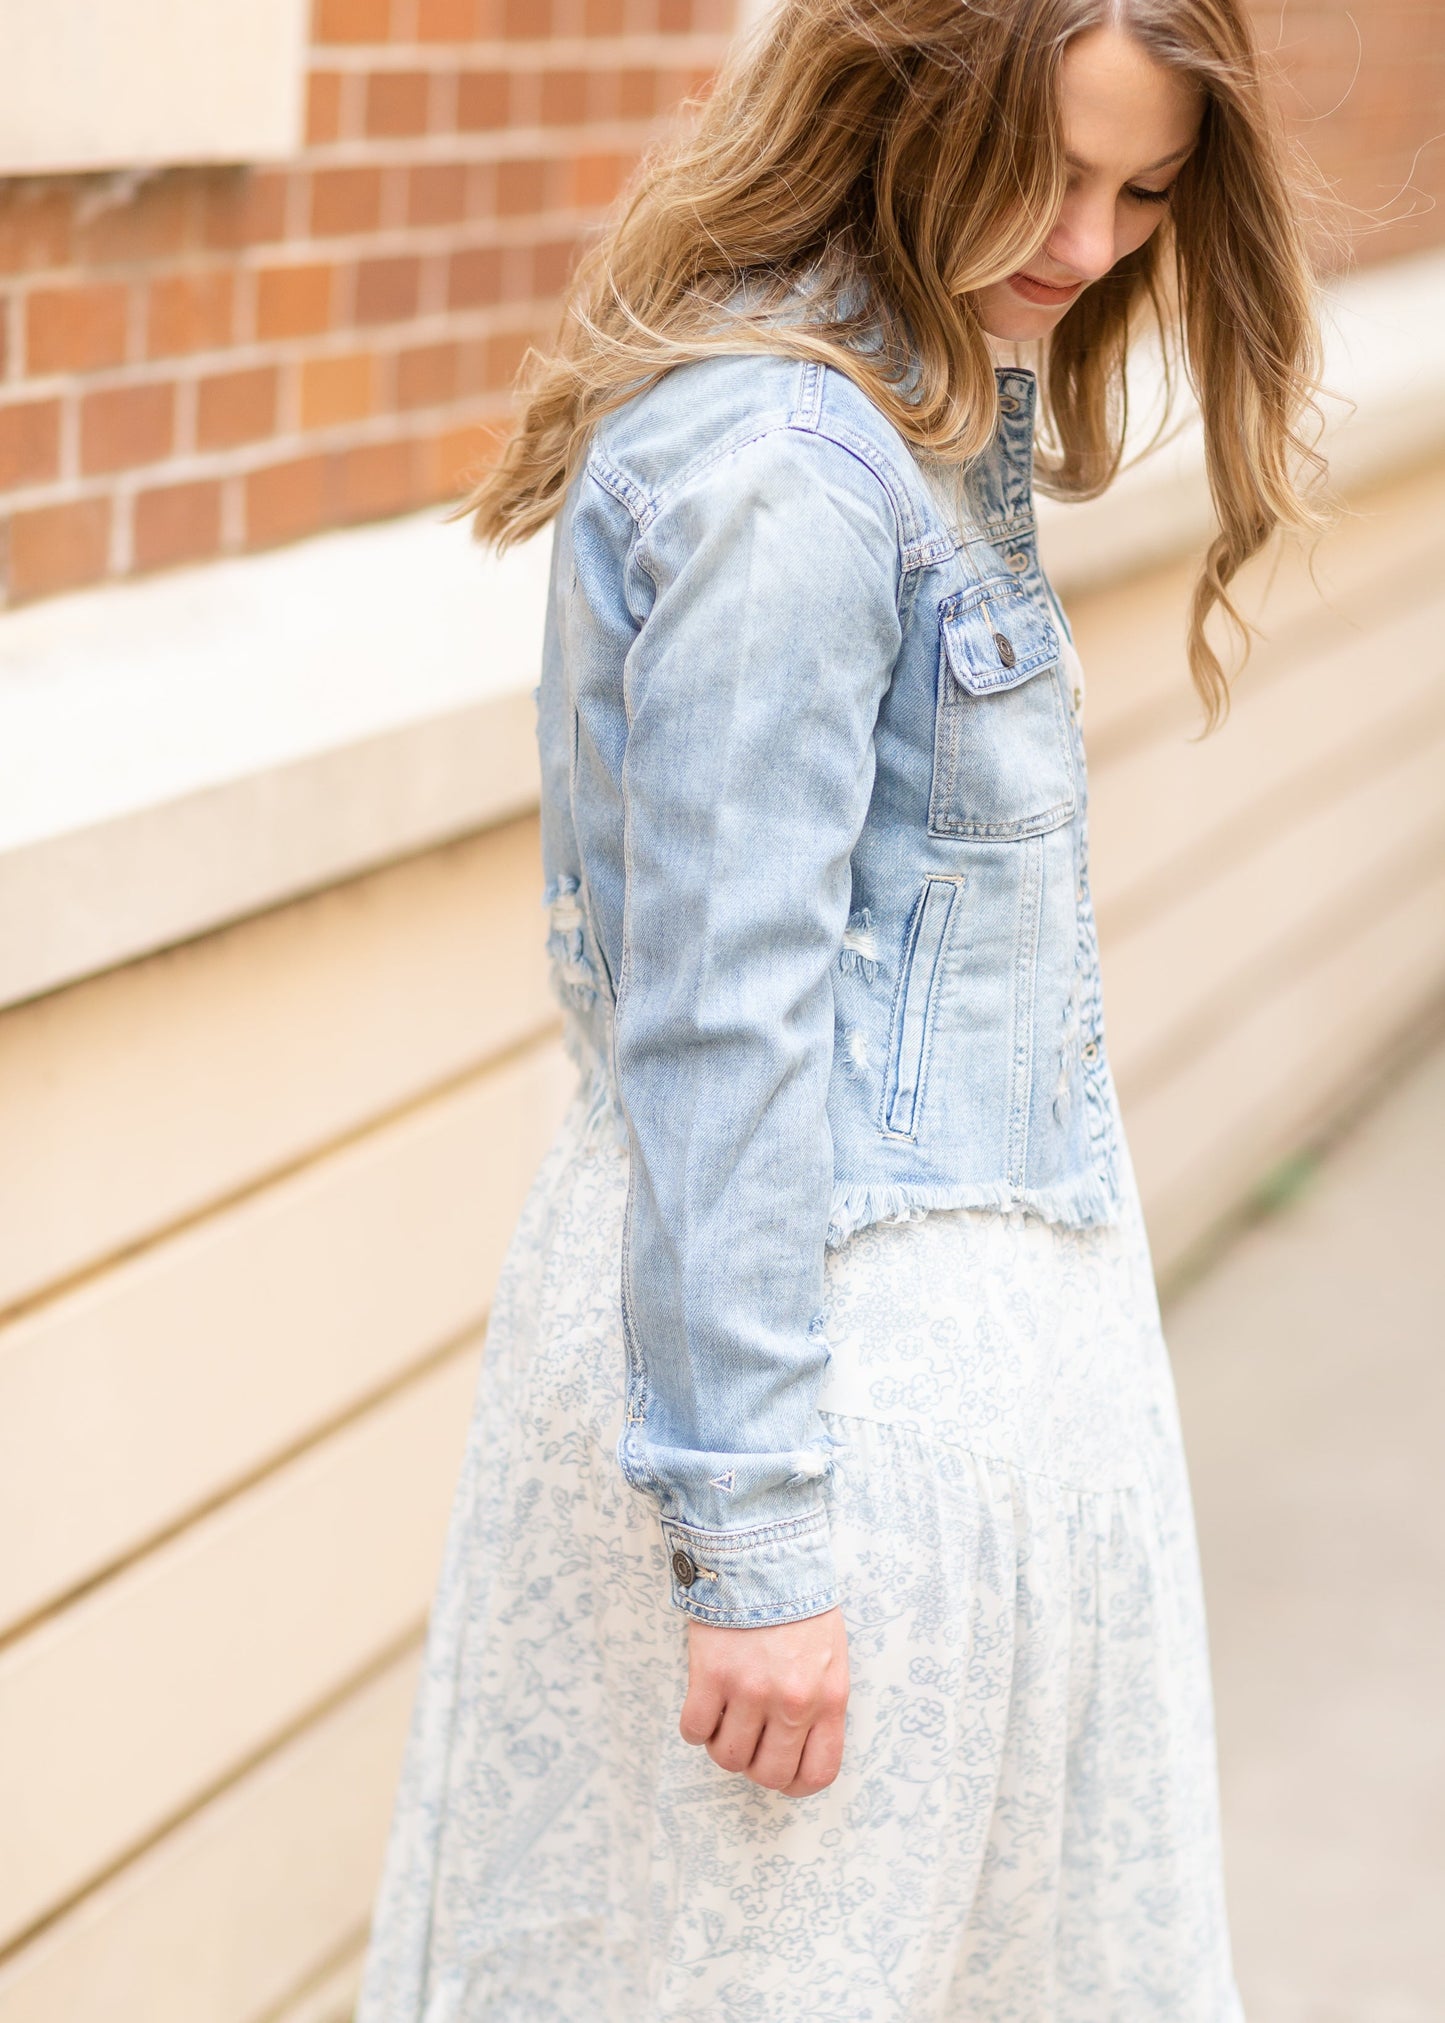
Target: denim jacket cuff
(768, 1573)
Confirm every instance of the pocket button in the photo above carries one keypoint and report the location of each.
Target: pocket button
(1005, 649)
(683, 1568)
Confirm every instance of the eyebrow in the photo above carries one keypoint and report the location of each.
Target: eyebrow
(1167, 162)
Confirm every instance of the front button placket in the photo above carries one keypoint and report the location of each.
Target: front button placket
(1016, 398)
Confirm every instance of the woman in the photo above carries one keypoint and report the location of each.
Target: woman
(828, 1344)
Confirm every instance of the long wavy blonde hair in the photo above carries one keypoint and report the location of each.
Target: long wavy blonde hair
(901, 155)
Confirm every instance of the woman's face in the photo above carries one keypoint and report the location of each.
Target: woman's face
(1128, 124)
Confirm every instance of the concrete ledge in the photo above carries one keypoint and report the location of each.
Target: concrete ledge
(187, 749)
(183, 750)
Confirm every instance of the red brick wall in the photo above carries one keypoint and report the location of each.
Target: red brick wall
(204, 361)
(1364, 90)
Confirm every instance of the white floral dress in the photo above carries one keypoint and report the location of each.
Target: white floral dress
(1025, 1826)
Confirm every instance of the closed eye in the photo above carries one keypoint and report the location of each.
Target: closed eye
(1148, 196)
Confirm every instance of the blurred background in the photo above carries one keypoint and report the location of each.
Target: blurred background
(277, 1057)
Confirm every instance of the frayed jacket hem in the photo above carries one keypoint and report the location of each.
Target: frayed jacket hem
(1081, 1203)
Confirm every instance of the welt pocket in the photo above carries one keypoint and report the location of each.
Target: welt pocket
(1003, 765)
(914, 1007)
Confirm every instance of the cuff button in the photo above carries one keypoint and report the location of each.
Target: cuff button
(683, 1570)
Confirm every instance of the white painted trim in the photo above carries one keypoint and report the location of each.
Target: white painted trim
(134, 84)
(185, 749)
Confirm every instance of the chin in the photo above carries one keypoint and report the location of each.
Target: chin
(1019, 322)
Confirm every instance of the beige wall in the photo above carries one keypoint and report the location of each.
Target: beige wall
(253, 1198)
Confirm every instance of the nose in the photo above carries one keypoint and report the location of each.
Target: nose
(1082, 242)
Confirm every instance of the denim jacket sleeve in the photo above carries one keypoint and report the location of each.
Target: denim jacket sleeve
(751, 688)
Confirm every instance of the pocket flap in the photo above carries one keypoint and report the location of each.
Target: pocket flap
(995, 636)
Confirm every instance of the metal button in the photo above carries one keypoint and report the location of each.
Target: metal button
(1005, 649)
(684, 1572)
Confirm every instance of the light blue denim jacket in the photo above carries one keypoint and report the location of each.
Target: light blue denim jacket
(813, 831)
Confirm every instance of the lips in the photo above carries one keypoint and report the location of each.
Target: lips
(1043, 292)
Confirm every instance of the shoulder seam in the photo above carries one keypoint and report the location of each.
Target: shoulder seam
(918, 547)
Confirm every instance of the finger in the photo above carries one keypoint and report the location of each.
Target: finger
(775, 1761)
(702, 1707)
(735, 1743)
(821, 1757)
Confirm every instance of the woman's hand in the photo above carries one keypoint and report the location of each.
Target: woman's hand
(769, 1703)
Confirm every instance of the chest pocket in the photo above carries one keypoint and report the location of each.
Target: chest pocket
(1003, 763)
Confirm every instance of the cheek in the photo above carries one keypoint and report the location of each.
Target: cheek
(1135, 228)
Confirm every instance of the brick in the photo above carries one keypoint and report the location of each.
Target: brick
(35, 224)
(156, 220)
(674, 17)
(387, 289)
(287, 500)
(474, 277)
(337, 390)
(29, 443)
(472, 368)
(526, 20)
(396, 103)
(177, 523)
(637, 94)
(453, 461)
(552, 264)
(603, 94)
(243, 207)
(189, 312)
(436, 194)
(374, 479)
(75, 329)
(482, 191)
(505, 352)
(323, 107)
(345, 200)
(604, 17)
(352, 21)
(597, 178)
(293, 301)
(521, 188)
(58, 548)
(483, 100)
(236, 407)
(426, 376)
(122, 426)
(446, 21)
(563, 97)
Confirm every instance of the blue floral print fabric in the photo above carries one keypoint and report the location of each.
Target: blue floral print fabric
(1025, 1826)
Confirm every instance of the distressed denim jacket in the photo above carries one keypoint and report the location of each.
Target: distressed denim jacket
(813, 831)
